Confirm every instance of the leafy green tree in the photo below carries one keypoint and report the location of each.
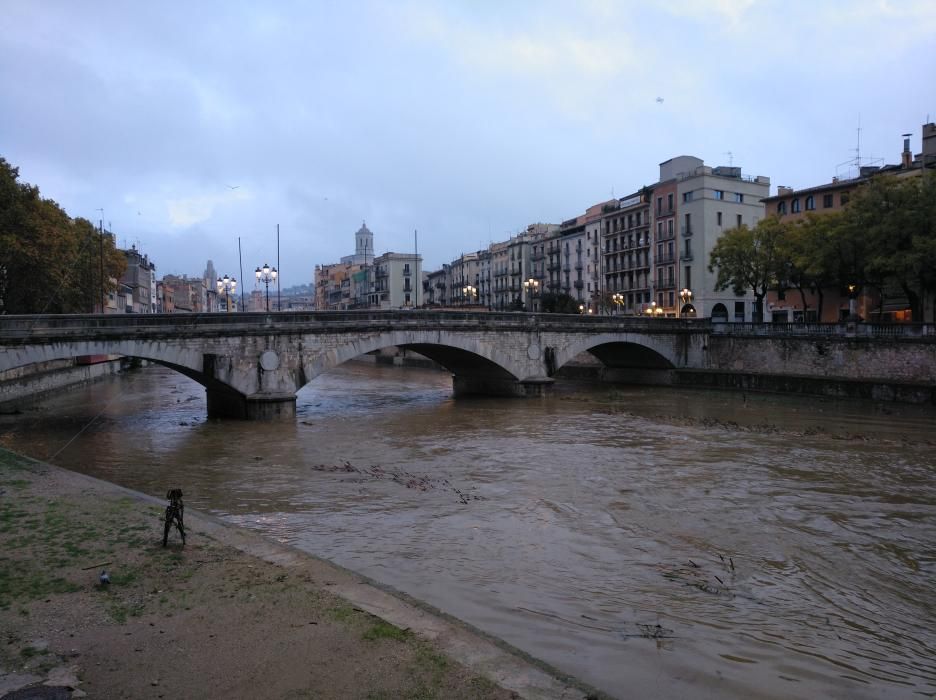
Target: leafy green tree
(893, 221)
(561, 303)
(750, 258)
(810, 256)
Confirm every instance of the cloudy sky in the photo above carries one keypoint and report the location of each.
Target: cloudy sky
(192, 124)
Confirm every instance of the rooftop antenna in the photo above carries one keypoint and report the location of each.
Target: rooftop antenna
(730, 158)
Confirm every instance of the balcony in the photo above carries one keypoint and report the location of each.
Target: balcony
(685, 256)
(686, 231)
(578, 284)
(666, 259)
(553, 267)
(666, 284)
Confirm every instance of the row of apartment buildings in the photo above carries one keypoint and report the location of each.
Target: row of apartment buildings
(649, 252)
(631, 255)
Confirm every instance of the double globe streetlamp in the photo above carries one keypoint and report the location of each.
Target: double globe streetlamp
(685, 296)
(531, 285)
(618, 300)
(266, 274)
(227, 286)
(470, 292)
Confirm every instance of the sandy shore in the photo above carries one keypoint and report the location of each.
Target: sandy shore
(229, 615)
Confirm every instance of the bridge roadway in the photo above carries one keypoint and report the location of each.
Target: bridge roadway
(252, 364)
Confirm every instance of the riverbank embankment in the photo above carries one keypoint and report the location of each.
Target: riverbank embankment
(230, 614)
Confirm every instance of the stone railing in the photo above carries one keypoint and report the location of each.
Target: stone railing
(891, 331)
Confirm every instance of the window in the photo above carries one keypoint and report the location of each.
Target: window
(827, 201)
(669, 202)
(739, 311)
(669, 228)
(659, 230)
(781, 208)
(810, 203)
(739, 198)
(687, 276)
(719, 194)
(406, 268)
(794, 206)
(659, 205)
(719, 218)
(687, 197)
(739, 221)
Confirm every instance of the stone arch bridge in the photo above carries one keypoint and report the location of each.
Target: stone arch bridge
(252, 364)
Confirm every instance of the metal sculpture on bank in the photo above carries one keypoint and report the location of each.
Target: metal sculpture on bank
(174, 514)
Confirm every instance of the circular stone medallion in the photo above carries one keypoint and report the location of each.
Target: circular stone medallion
(533, 352)
(269, 361)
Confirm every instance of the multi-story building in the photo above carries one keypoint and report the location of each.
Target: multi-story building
(139, 277)
(485, 278)
(709, 201)
(397, 278)
(188, 294)
(500, 266)
(626, 252)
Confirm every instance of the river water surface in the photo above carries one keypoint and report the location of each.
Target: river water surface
(653, 542)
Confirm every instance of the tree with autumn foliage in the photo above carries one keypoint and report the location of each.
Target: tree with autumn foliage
(49, 262)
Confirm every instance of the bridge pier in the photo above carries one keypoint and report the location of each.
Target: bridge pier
(263, 407)
(496, 386)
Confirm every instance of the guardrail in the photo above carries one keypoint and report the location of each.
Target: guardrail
(22, 327)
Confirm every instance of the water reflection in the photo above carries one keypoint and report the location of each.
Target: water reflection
(654, 542)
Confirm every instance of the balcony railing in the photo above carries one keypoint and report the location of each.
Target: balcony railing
(686, 230)
(685, 256)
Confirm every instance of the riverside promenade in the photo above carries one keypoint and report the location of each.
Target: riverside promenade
(229, 615)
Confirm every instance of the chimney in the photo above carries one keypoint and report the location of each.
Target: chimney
(906, 158)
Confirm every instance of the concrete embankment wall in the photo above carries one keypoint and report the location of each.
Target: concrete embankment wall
(898, 370)
(24, 384)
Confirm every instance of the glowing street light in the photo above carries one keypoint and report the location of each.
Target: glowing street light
(227, 286)
(618, 300)
(470, 292)
(531, 285)
(266, 274)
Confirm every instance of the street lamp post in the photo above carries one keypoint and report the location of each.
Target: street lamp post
(266, 274)
(852, 303)
(469, 292)
(531, 285)
(227, 286)
(685, 296)
(618, 300)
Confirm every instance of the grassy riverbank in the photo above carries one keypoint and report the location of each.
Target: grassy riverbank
(207, 620)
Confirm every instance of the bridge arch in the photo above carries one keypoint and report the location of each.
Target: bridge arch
(460, 354)
(622, 350)
(189, 361)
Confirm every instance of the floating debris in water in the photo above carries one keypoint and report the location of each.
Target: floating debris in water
(417, 482)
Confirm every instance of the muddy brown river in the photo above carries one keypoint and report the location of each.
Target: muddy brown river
(652, 542)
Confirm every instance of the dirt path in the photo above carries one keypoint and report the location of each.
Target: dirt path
(229, 615)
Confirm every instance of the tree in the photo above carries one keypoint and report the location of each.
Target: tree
(49, 263)
(894, 218)
(747, 258)
(560, 303)
(810, 255)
